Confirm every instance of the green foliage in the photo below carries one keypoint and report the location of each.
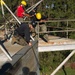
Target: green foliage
(68, 70)
(50, 60)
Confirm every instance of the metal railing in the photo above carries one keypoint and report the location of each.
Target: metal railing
(56, 28)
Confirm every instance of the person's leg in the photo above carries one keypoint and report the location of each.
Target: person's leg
(16, 38)
(43, 28)
(37, 29)
(45, 35)
(20, 19)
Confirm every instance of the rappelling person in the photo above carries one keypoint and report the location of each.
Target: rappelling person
(37, 16)
(20, 11)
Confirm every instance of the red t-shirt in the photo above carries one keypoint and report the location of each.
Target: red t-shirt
(20, 11)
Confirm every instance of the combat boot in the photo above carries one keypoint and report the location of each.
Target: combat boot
(46, 38)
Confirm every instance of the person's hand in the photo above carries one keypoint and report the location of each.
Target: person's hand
(30, 44)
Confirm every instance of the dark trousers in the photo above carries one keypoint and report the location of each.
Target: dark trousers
(24, 31)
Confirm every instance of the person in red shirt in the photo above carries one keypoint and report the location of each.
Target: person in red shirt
(20, 12)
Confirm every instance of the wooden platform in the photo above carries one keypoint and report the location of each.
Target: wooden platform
(56, 44)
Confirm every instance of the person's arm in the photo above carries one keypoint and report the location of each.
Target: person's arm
(42, 20)
(25, 14)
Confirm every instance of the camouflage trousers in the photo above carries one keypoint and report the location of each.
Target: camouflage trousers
(18, 39)
(42, 28)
